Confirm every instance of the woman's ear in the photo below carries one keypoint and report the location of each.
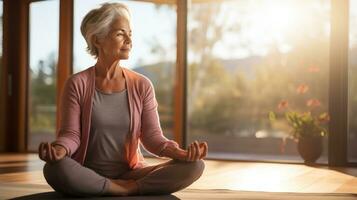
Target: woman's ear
(96, 42)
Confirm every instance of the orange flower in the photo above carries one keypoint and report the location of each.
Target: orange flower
(301, 89)
(313, 103)
(313, 69)
(283, 104)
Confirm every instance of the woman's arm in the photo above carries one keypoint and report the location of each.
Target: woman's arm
(153, 139)
(151, 133)
(68, 135)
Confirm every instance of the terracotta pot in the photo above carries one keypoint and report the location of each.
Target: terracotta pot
(310, 148)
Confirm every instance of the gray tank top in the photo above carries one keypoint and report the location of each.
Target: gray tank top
(110, 123)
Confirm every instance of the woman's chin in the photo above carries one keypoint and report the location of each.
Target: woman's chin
(123, 56)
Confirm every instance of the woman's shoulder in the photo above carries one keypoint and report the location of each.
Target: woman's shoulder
(79, 82)
(137, 78)
(81, 76)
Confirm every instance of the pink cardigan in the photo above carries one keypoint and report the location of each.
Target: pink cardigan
(75, 117)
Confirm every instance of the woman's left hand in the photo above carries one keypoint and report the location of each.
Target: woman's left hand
(196, 151)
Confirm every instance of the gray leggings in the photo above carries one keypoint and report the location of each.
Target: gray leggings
(69, 177)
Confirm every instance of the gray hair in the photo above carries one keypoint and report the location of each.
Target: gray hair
(97, 23)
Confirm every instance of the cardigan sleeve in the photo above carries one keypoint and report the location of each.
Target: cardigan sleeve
(68, 134)
(151, 133)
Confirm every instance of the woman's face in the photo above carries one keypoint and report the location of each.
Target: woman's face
(117, 44)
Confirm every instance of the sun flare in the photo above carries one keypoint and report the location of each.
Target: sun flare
(275, 22)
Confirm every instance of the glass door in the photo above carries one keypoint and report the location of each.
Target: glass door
(43, 55)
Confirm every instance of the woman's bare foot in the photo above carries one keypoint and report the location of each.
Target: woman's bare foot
(119, 187)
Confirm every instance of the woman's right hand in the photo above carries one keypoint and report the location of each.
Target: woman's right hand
(51, 153)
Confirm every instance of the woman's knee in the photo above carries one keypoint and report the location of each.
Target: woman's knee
(71, 178)
(173, 176)
(197, 168)
(54, 173)
(58, 175)
(59, 169)
(191, 171)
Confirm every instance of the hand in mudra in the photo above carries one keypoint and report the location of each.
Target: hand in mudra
(51, 153)
(196, 151)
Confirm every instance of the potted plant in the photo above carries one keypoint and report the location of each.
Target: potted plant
(307, 127)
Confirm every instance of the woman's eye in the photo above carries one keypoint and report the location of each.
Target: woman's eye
(120, 34)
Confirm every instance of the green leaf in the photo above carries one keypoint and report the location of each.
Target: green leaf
(272, 116)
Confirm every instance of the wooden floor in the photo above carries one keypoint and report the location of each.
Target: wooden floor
(20, 169)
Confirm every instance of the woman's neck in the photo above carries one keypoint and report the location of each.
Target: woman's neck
(108, 69)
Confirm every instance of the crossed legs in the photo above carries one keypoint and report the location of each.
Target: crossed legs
(69, 177)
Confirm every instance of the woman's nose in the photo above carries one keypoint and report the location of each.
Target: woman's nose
(128, 39)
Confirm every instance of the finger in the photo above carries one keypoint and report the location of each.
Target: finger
(189, 154)
(205, 150)
(45, 152)
(40, 151)
(54, 153)
(49, 154)
(193, 149)
(202, 147)
(198, 152)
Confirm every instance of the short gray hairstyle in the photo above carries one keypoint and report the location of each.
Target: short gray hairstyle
(97, 23)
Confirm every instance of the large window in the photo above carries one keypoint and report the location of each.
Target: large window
(153, 53)
(245, 57)
(352, 122)
(44, 36)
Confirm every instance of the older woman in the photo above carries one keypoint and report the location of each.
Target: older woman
(106, 112)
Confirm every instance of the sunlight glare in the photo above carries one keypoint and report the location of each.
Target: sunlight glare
(261, 178)
(273, 21)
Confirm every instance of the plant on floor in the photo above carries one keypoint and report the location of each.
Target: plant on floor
(307, 125)
(304, 124)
